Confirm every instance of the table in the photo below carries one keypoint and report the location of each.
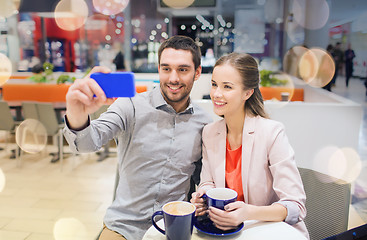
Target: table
(253, 230)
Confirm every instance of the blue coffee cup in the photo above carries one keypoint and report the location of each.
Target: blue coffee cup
(219, 197)
(178, 219)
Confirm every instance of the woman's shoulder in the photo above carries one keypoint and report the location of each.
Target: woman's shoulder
(267, 124)
(214, 127)
(215, 124)
(269, 121)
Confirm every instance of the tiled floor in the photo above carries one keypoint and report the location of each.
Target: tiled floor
(42, 202)
(39, 201)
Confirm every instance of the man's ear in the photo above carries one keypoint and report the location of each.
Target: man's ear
(197, 73)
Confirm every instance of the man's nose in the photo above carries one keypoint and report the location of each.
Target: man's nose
(173, 77)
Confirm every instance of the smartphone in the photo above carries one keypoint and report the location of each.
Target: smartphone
(116, 84)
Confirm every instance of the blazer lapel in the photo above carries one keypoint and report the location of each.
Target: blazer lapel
(247, 145)
(220, 142)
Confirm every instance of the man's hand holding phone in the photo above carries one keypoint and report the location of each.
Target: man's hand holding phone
(84, 97)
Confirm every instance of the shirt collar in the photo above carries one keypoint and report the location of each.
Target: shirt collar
(159, 102)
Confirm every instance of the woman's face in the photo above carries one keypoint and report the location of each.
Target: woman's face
(227, 92)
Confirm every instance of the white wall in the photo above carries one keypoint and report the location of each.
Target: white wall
(311, 127)
(201, 86)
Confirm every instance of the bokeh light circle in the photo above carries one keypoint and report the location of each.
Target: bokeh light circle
(31, 136)
(321, 160)
(317, 67)
(110, 7)
(345, 164)
(308, 66)
(69, 228)
(340, 163)
(5, 69)
(291, 60)
(2, 180)
(286, 91)
(325, 66)
(178, 4)
(7, 8)
(317, 13)
(71, 14)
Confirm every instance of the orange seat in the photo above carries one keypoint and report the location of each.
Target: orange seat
(39, 92)
(295, 94)
(42, 92)
(19, 76)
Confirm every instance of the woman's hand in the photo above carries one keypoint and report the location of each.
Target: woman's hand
(199, 202)
(235, 213)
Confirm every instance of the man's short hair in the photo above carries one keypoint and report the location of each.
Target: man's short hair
(179, 42)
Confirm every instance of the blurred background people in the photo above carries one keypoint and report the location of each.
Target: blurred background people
(329, 50)
(119, 61)
(349, 56)
(338, 56)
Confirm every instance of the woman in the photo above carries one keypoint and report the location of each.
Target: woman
(248, 152)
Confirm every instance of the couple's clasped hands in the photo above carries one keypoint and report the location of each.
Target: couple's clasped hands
(233, 215)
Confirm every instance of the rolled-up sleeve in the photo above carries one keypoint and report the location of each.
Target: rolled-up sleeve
(292, 212)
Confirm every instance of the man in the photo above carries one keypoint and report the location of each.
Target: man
(338, 57)
(119, 59)
(158, 135)
(349, 56)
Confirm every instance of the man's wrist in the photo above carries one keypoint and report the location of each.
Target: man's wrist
(85, 125)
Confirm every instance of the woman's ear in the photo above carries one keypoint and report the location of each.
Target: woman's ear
(248, 94)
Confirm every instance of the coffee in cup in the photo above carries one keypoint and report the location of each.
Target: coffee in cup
(178, 219)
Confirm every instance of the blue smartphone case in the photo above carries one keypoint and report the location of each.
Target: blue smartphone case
(116, 84)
